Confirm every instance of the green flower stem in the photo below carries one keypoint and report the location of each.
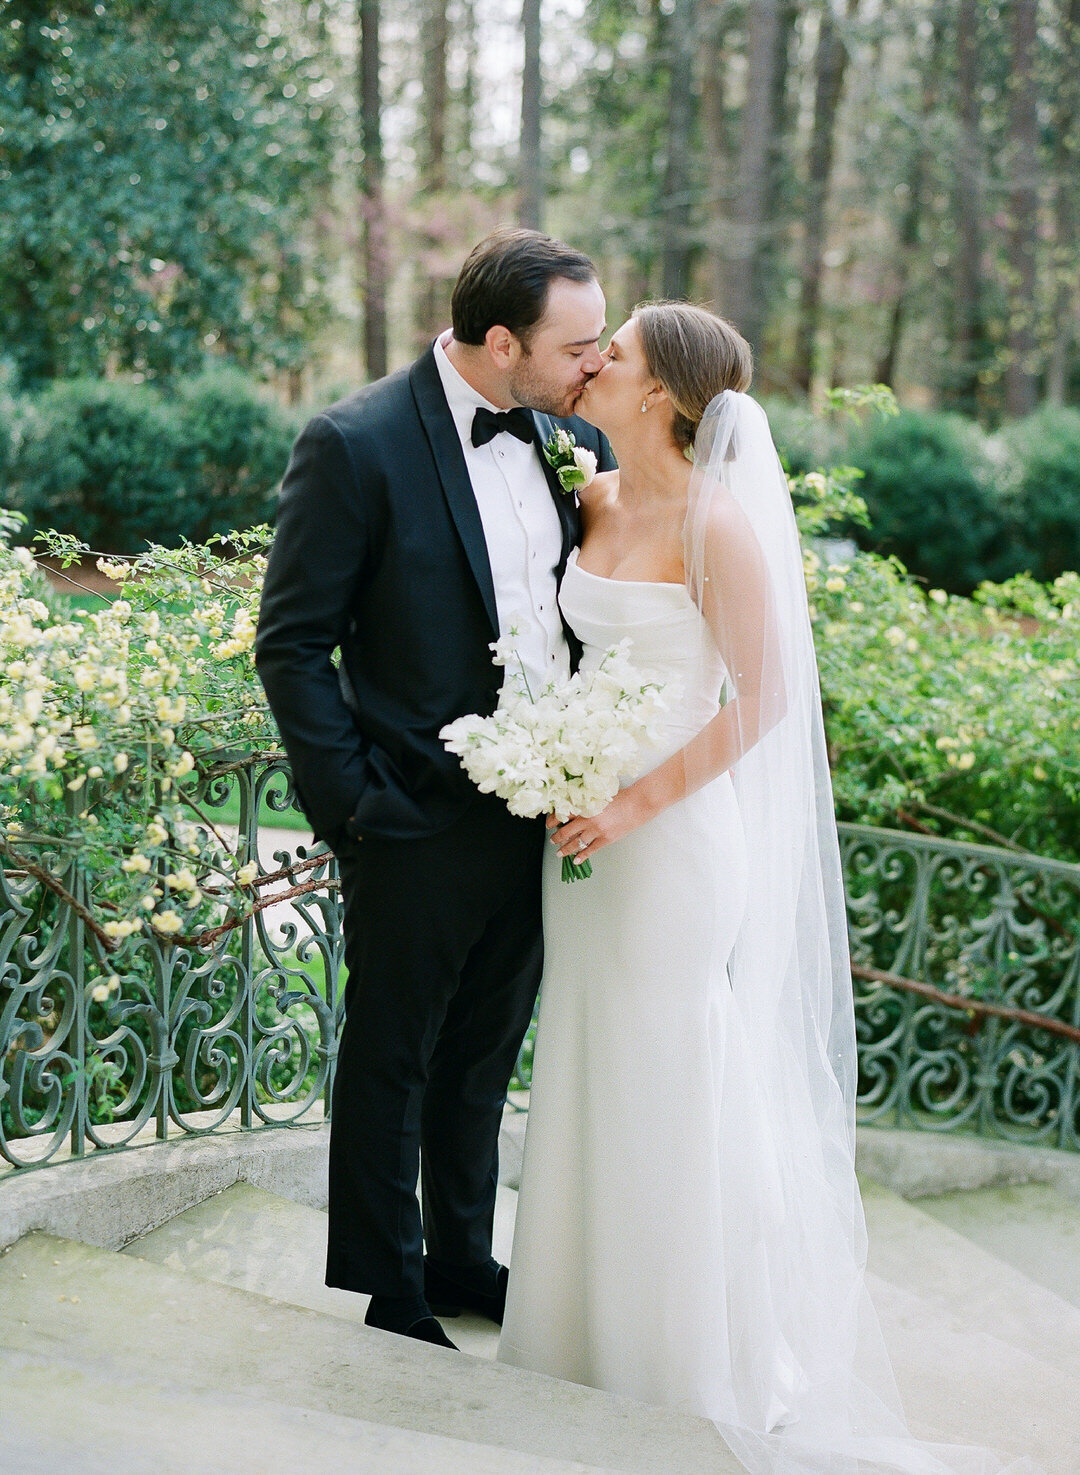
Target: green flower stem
(573, 871)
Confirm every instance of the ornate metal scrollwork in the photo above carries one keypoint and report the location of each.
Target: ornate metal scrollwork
(245, 1032)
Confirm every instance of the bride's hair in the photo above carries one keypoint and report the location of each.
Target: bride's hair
(695, 355)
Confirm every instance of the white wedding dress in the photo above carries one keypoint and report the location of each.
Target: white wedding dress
(646, 1158)
(652, 1256)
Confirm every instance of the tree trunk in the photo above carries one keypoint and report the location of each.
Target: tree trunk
(433, 297)
(530, 157)
(466, 98)
(744, 301)
(675, 206)
(1021, 373)
(779, 184)
(38, 356)
(829, 67)
(717, 147)
(1066, 171)
(970, 326)
(373, 249)
(908, 232)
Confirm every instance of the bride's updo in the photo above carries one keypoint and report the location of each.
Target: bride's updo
(695, 355)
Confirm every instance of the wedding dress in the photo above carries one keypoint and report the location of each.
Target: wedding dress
(689, 1231)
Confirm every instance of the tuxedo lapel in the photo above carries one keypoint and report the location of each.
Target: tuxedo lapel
(569, 520)
(453, 475)
(565, 502)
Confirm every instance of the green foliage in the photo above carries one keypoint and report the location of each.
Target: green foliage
(122, 464)
(955, 714)
(152, 159)
(1044, 451)
(112, 720)
(805, 441)
(239, 443)
(105, 461)
(929, 487)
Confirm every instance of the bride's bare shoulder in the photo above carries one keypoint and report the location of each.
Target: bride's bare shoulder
(601, 493)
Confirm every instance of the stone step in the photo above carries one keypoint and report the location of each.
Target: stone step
(65, 1415)
(968, 1368)
(911, 1248)
(1031, 1227)
(945, 1310)
(127, 1320)
(256, 1241)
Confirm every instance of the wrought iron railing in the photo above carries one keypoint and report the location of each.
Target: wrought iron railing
(975, 1025)
(967, 997)
(239, 1035)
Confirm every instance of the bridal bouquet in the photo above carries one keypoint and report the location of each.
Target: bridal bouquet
(562, 751)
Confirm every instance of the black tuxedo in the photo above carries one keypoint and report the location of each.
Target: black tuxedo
(380, 552)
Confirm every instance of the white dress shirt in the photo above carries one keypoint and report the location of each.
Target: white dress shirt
(521, 529)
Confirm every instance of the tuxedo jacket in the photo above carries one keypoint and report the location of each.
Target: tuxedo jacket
(379, 552)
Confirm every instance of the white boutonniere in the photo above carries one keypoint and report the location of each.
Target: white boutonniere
(573, 464)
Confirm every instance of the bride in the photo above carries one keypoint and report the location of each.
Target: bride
(689, 1228)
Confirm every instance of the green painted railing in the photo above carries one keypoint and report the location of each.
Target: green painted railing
(967, 996)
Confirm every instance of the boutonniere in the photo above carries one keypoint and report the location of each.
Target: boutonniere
(573, 464)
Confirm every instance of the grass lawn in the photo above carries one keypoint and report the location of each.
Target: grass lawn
(288, 819)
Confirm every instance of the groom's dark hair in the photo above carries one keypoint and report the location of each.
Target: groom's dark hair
(505, 281)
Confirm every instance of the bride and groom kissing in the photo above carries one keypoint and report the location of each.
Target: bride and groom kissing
(689, 1229)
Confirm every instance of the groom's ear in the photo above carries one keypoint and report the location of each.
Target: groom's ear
(501, 345)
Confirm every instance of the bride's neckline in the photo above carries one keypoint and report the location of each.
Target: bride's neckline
(608, 579)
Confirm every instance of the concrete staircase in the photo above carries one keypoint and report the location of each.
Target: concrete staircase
(211, 1344)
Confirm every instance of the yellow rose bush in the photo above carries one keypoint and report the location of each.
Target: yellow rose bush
(953, 715)
(114, 719)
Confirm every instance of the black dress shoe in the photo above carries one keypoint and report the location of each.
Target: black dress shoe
(449, 1293)
(406, 1316)
(427, 1329)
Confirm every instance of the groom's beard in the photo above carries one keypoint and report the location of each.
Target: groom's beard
(530, 388)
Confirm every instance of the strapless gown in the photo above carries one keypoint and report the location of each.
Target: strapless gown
(652, 1254)
(618, 1271)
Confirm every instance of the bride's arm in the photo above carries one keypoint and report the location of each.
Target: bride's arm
(737, 604)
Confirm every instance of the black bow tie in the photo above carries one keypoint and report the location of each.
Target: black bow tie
(487, 424)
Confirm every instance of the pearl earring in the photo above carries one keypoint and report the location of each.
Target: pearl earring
(644, 406)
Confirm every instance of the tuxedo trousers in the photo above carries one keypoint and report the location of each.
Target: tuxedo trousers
(444, 950)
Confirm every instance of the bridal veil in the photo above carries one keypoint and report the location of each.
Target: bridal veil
(811, 1389)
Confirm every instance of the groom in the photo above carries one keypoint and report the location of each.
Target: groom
(418, 522)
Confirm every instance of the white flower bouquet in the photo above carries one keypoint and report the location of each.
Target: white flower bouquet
(562, 751)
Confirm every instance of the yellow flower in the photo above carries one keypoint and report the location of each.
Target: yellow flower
(246, 874)
(156, 833)
(835, 584)
(894, 635)
(168, 923)
(939, 596)
(120, 762)
(966, 760)
(123, 929)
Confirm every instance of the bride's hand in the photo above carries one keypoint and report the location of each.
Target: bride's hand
(582, 838)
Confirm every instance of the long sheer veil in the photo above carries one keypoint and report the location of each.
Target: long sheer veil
(812, 1389)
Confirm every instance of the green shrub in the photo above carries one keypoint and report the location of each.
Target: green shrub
(239, 443)
(804, 440)
(107, 462)
(932, 500)
(121, 465)
(1043, 474)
